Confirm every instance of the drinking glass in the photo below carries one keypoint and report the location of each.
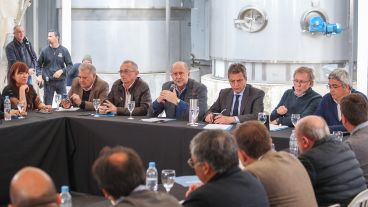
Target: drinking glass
(168, 179)
(295, 118)
(338, 135)
(96, 105)
(131, 105)
(262, 117)
(21, 107)
(58, 98)
(194, 114)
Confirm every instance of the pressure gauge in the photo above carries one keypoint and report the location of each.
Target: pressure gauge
(251, 19)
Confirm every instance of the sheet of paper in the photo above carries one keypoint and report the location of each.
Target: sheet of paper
(186, 181)
(156, 120)
(218, 126)
(71, 109)
(277, 127)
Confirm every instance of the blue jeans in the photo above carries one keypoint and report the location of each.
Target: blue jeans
(52, 86)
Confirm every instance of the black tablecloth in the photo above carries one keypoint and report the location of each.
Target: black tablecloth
(65, 145)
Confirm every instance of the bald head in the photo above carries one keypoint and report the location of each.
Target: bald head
(312, 127)
(32, 187)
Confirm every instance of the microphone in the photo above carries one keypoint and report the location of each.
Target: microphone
(25, 40)
(172, 87)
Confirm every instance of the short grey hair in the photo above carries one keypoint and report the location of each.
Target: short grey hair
(217, 147)
(86, 66)
(135, 66)
(341, 75)
(185, 65)
(313, 127)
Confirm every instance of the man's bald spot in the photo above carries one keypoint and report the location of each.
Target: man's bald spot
(180, 64)
(313, 127)
(118, 158)
(31, 185)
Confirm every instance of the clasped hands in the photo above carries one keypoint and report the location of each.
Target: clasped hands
(107, 107)
(169, 96)
(219, 119)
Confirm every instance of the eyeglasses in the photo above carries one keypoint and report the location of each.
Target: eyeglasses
(191, 163)
(333, 86)
(125, 71)
(300, 82)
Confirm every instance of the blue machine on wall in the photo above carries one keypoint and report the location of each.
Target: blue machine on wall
(318, 24)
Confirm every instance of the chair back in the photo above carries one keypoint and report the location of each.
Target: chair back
(360, 200)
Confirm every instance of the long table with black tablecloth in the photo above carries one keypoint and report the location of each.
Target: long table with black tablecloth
(65, 145)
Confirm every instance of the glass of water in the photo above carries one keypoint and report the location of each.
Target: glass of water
(194, 115)
(262, 117)
(338, 135)
(21, 108)
(96, 105)
(168, 179)
(131, 106)
(57, 98)
(295, 118)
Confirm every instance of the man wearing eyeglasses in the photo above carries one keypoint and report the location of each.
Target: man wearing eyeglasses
(214, 158)
(329, 108)
(175, 95)
(128, 88)
(301, 99)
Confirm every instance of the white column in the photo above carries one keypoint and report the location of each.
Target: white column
(362, 57)
(66, 24)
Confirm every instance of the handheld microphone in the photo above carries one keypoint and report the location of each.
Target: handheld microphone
(25, 40)
(172, 87)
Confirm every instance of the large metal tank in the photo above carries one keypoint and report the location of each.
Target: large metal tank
(272, 53)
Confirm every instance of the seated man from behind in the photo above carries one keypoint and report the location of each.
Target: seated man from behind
(354, 116)
(332, 167)
(301, 99)
(241, 102)
(214, 158)
(128, 88)
(329, 108)
(284, 178)
(175, 95)
(120, 174)
(32, 187)
(88, 86)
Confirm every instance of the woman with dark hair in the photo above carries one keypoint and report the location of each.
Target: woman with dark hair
(19, 91)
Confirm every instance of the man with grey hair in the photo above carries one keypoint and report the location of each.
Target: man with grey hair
(215, 160)
(74, 71)
(128, 88)
(175, 94)
(87, 86)
(329, 109)
(332, 167)
(31, 186)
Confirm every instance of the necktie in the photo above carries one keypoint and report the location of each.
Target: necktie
(236, 105)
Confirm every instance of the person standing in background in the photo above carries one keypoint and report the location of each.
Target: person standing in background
(53, 64)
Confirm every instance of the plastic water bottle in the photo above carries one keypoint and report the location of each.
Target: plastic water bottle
(7, 108)
(293, 146)
(66, 198)
(151, 177)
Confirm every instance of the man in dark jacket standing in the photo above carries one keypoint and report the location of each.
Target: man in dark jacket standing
(53, 64)
(332, 167)
(20, 49)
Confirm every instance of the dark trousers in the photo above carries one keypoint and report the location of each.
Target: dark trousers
(51, 87)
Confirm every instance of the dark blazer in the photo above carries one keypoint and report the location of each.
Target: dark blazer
(99, 90)
(251, 105)
(195, 90)
(233, 188)
(149, 199)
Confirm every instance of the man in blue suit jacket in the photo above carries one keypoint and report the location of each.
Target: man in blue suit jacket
(329, 108)
(239, 103)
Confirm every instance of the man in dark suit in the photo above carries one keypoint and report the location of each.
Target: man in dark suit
(88, 86)
(239, 103)
(120, 174)
(175, 95)
(354, 117)
(214, 158)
